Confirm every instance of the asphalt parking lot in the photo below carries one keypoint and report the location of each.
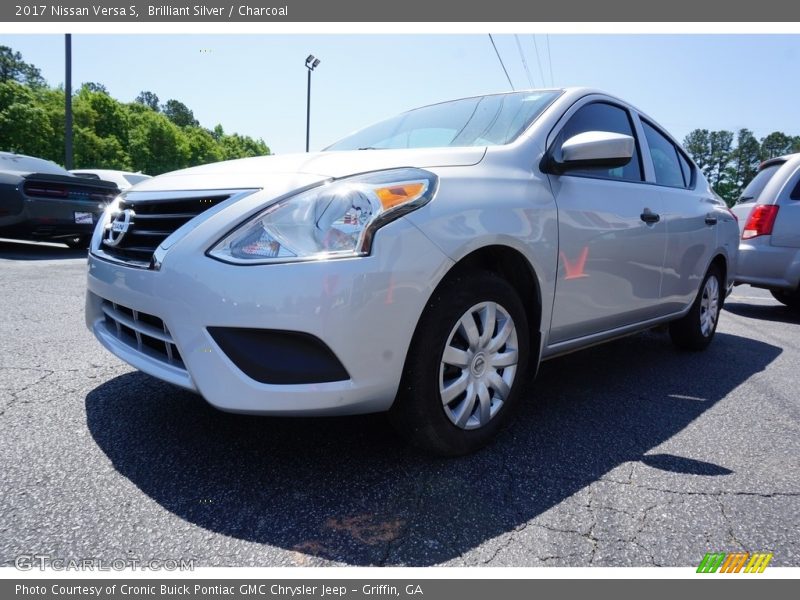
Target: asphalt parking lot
(628, 454)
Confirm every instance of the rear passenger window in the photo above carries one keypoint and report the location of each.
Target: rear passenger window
(796, 192)
(600, 116)
(686, 167)
(665, 158)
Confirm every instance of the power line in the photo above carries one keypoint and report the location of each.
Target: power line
(502, 64)
(550, 59)
(524, 62)
(538, 60)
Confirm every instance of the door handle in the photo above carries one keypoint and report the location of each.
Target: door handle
(711, 219)
(649, 217)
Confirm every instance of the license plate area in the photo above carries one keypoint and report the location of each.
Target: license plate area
(84, 218)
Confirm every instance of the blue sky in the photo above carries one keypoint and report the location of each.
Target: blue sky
(256, 84)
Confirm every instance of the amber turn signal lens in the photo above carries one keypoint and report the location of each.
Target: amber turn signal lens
(398, 194)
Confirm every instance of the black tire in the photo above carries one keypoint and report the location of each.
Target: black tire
(790, 299)
(419, 413)
(79, 242)
(688, 332)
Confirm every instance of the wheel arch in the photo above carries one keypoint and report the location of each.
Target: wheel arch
(512, 265)
(720, 260)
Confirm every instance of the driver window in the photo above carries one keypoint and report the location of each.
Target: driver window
(599, 116)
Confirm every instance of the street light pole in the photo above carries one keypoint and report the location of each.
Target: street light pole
(311, 63)
(308, 110)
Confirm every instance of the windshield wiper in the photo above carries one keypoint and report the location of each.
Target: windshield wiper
(371, 148)
(744, 199)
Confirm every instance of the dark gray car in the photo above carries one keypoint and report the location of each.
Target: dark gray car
(41, 201)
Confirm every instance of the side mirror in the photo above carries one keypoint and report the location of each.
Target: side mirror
(592, 149)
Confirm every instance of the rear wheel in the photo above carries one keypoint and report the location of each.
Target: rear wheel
(790, 299)
(464, 369)
(696, 329)
(79, 242)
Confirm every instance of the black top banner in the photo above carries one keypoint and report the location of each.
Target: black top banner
(405, 11)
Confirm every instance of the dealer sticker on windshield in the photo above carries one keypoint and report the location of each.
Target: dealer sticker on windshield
(83, 218)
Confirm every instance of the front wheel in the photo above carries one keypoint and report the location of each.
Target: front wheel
(790, 299)
(464, 368)
(696, 329)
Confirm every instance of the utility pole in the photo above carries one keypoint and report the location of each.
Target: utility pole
(68, 101)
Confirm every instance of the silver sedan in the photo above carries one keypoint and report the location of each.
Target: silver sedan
(420, 266)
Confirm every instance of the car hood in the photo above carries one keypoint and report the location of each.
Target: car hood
(297, 170)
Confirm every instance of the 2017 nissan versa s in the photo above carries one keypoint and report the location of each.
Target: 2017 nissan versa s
(418, 266)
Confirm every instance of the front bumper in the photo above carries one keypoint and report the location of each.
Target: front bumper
(365, 311)
(45, 218)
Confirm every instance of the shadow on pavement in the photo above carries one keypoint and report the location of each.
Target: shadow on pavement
(680, 464)
(19, 250)
(346, 489)
(767, 312)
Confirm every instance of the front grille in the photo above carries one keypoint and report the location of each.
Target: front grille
(152, 221)
(145, 333)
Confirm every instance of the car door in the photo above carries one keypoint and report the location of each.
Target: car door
(688, 214)
(611, 239)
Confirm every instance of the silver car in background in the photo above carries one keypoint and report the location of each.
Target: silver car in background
(769, 220)
(419, 266)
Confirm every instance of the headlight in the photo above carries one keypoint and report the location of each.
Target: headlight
(334, 220)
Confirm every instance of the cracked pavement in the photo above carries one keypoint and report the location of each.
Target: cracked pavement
(627, 454)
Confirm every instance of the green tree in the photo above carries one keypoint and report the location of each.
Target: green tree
(12, 92)
(148, 99)
(94, 151)
(698, 145)
(720, 155)
(52, 102)
(203, 148)
(712, 152)
(179, 113)
(745, 159)
(14, 68)
(100, 112)
(775, 144)
(94, 87)
(240, 146)
(156, 144)
(24, 126)
(108, 133)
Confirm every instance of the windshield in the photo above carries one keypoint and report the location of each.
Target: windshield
(758, 183)
(482, 121)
